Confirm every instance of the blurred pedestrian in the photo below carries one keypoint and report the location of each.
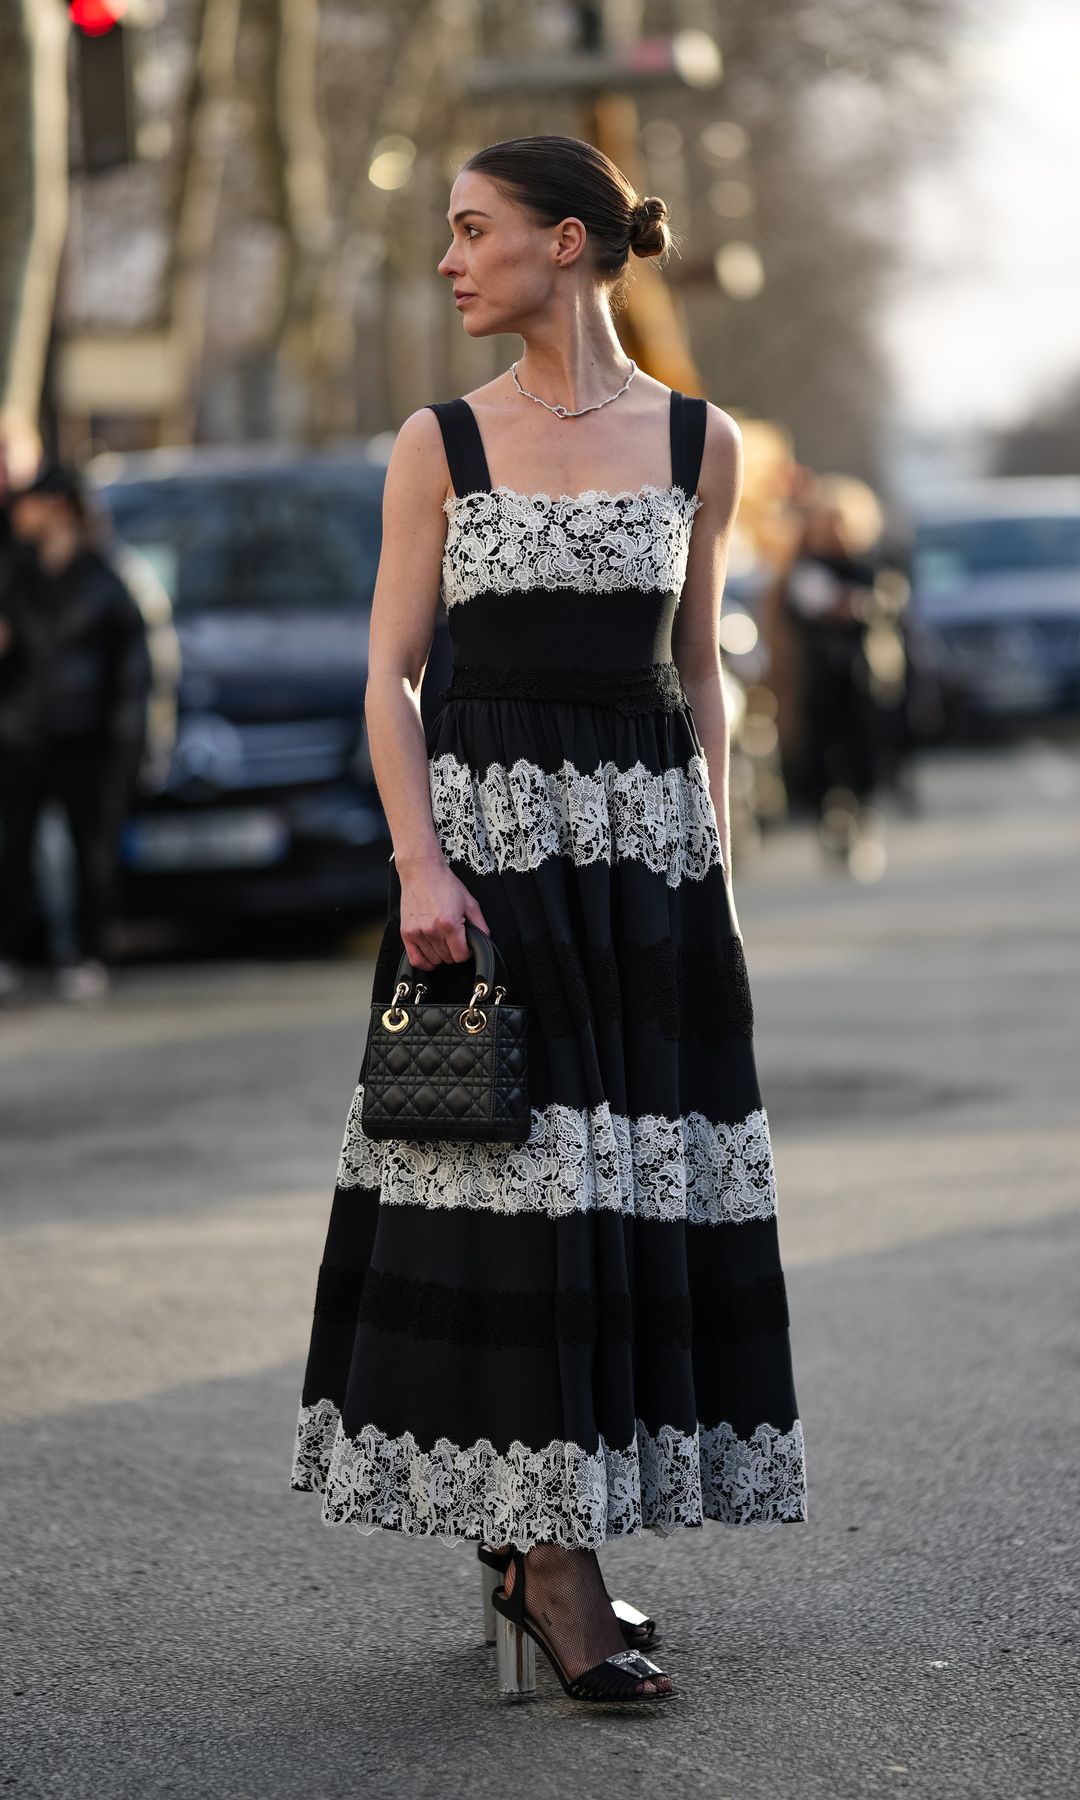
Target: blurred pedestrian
(15, 564)
(73, 700)
(828, 597)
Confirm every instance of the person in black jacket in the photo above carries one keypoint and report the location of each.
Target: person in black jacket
(75, 674)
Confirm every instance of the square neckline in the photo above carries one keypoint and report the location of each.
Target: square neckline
(649, 487)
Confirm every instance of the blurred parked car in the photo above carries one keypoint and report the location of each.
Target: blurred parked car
(267, 804)
(996, 597)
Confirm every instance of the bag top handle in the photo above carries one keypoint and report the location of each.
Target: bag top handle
(484, 951)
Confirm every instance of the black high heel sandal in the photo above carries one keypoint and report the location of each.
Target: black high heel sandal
(618, 1678)
(640, 1632)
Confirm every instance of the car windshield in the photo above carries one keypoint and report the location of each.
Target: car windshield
(947, 555)
(253, 545)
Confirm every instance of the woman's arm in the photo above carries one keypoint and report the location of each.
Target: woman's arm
(696, 634)
(433, 901)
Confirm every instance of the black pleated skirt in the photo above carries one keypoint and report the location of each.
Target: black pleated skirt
(585, 1335)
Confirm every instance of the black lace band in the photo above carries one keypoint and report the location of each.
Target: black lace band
(683, 988)
(715, 1313)
(655, 687)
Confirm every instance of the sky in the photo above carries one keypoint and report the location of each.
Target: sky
(988, 320)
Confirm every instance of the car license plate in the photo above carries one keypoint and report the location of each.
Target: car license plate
(237, 839)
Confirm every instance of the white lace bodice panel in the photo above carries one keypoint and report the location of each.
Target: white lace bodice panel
(504, 542)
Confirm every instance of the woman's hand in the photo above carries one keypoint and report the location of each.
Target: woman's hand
(434, 906)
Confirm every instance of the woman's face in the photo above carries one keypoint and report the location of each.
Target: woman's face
(501, 263)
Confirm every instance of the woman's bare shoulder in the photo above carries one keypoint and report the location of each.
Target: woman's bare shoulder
(722, 432)
(417, 462)
(419, 431)
(721, 476)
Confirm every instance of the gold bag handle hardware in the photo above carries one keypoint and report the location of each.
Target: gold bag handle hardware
(395, 1018)
(473, 1019)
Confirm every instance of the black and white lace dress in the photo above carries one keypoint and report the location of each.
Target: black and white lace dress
(587, 1334)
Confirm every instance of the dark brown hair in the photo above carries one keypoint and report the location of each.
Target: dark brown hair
(563, 177)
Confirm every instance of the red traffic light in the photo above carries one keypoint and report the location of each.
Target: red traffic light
(96, 17)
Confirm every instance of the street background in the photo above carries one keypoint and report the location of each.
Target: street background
(180, 1623)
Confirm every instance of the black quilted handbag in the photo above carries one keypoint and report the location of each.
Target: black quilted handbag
(447, 1070)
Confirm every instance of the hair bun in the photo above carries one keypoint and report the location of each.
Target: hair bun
(649, 234)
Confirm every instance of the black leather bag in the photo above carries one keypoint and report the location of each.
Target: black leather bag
(439, 1070)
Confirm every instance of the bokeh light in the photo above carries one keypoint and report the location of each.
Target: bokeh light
(740, 271)
(392, 162)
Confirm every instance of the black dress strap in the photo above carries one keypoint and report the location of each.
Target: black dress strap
(463, 445)
(688, 418)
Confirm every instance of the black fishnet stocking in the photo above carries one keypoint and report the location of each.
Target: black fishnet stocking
(566, 1598)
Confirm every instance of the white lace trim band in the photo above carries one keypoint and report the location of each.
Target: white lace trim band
(504, 542)
(650, 1167)
(561, 1494)
(515, 818)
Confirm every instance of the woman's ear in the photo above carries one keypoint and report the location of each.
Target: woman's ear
(570, 242)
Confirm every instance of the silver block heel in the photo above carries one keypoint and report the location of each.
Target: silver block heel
(516, 1656)
(490, 1579)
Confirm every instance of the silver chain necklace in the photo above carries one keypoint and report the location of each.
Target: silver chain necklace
(565, 412)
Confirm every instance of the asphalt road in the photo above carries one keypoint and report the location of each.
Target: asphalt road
(177, 1623)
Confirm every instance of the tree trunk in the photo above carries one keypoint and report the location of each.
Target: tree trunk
(33, 211)
(197, 212)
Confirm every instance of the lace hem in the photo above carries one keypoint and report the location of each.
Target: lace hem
(502, 542)
(651, 1167)
(560, 1494)
(656, 687)
(515, 818)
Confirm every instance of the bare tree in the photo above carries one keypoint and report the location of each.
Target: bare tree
(33, 208)
(199, 190)
(837, 101)
(301, 287)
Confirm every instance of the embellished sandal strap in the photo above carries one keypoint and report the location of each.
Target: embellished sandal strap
(617, 1678)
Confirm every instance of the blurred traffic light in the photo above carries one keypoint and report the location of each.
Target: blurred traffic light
(96, 17)
(103, 83)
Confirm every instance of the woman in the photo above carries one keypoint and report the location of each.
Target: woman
(542, 1346)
